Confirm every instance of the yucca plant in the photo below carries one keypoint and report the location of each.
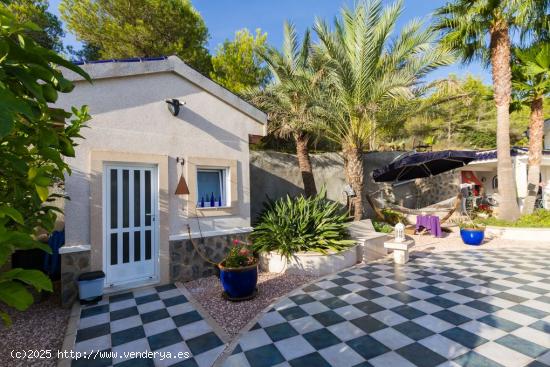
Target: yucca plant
(300, 224)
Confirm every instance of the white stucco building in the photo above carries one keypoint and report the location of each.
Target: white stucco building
(124, 217)
(484, 171)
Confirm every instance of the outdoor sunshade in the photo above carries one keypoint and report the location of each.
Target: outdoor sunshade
(419, 165)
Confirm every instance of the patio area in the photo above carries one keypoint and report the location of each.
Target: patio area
(486, 307)
(448, 306)
(160, 320)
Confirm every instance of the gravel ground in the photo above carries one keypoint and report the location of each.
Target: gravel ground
(233, 316)
(41, 327)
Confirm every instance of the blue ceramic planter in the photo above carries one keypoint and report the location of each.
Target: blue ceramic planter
(472, 237)
(239, 282)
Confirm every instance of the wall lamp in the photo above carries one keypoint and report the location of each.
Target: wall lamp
(174, 106)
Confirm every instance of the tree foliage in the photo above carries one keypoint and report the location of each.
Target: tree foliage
(465, 23)
(86, 52)
(482, 29)
(374, 76)
(237, 65)
(465, 122)
(140, 28)
(49, 33)
(293, 99)
(34, 139)
(531, 73)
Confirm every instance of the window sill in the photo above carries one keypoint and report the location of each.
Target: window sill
(213, 207)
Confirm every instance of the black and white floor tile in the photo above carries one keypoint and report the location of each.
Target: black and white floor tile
(157, 319)
(476, 308)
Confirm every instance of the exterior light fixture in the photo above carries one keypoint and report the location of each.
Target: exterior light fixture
(400, 232)
(174, 106)
(182, 188)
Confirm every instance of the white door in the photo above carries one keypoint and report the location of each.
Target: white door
(130, 211)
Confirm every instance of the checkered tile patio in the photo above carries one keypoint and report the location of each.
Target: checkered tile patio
(157, 319)
(475, 308)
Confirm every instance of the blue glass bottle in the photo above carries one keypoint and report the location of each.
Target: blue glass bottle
(212, 200)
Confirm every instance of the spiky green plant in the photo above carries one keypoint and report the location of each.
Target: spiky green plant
(301, 224)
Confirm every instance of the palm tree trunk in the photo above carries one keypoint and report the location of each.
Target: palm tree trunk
(304, 162)
(536, 132)
(353, 168)
(502, 84)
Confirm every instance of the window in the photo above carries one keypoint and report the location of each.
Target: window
(212, 188)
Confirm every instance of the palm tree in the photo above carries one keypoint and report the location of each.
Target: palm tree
(531, 82)
(465, 25)
(372, 75)
(291, 101)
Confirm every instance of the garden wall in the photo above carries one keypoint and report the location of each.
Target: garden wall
(186, 264)
(275, 174)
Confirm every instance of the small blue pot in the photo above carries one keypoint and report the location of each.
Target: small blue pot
(472, 237)
(239, 282)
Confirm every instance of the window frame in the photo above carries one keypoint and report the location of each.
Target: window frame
(234, 187)
(225, 189)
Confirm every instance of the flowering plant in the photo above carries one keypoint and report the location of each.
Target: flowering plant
(240, 255)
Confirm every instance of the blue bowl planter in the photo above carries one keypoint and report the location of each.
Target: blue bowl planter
(239, 284)
(472, 236)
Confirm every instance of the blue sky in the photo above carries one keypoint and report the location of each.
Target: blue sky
(224, 17)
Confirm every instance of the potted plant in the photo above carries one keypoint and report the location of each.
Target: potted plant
(239, 272)
(304, 235)
(472, 233)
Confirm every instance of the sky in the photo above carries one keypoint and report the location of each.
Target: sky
(224, 17)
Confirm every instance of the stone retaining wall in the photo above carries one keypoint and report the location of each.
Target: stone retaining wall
(186, 264)
(275, 174)
(72, 265)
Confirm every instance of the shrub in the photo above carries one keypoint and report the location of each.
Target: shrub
(471, 224)
(35, 139)
(290, 225)
(382, 227)
(240, 255)
(392, 217)
(539, 218)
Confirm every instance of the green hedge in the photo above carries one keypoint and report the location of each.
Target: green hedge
(539, 219)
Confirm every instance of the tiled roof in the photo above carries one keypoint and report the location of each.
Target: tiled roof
(486, 155)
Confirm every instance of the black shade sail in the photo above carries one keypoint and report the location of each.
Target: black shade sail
(419, 165)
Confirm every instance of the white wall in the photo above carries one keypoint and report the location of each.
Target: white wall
(488, 183)
(130, 115)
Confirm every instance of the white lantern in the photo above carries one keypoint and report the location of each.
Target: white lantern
(399, 232)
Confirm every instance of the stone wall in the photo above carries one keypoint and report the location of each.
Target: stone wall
(186, 264)
(438, 188)
(72, 265)
(274, 174)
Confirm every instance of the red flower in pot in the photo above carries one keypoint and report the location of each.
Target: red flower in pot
(239, 272)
